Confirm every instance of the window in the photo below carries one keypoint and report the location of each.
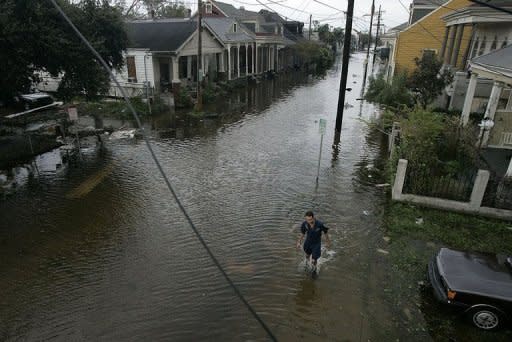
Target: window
(208, 8)
(429, 53)
(132, 71)
(481, 49)
(234, 27)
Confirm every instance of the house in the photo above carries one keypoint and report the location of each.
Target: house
(164, 52)
(426, 36)
(491, 30)
(389, 41)
(268, 34)
(239, 46)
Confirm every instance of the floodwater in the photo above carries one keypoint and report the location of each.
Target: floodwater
(95, 248)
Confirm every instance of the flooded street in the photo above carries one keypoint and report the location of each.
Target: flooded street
(96, 249)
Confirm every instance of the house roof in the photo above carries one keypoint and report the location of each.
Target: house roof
(399, 27)
(159, 35)
(222, 28)
(232, 11)
(433, 3)
(498, 61)
(500, 3)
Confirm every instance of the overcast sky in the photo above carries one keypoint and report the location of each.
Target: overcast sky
(394, 13)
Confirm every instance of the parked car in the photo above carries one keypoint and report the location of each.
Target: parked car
(479, 284)
(33, 100)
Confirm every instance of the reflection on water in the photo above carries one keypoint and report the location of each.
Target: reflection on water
(117, 261)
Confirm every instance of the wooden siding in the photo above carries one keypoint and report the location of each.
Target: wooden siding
(428, 33)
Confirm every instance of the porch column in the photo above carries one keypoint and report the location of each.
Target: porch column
(189, 67)
(468, 100)
(252, 59)
(458, 39)
(445, 40)
(238, 59)
(268, 58)
(229, 62)
(448, 55)
(221, 62)
(246, 61)
(256, 57)
(492, 105)
(175, 70)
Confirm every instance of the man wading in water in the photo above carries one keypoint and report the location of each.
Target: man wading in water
(313, 243)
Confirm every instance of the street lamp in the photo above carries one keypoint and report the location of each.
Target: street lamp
(485, 126)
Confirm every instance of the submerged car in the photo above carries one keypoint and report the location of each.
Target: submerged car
(479, 284)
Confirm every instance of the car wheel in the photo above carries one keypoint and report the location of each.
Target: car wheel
(485, 318)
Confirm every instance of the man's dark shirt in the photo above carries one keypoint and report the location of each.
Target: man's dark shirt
(314, 234)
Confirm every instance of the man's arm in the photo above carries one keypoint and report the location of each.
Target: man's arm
(299, 241)
(328, 240)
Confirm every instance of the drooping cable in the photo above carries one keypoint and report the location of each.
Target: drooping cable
(162, 172)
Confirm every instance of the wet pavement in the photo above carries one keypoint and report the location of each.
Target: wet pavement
(94, 248)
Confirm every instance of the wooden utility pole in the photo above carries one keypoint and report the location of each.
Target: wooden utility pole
(199, 104)
(309, 32)
(376, 37)
(344, 71)
(368, 48)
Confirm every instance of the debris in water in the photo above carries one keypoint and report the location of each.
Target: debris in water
(366, 212)
(386, 238)
(382, 185)
(382, 251)
(419, 220)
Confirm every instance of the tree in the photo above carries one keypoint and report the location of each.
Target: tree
(428, 80)
(392, 95)
(34, 38)
(155, 9)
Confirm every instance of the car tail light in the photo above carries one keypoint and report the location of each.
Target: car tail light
(451, 294)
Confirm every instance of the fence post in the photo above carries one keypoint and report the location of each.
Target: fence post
(399, 179)
(477, 195)
(395, 130)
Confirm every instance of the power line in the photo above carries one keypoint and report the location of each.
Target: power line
(164, 175)
(419, 23)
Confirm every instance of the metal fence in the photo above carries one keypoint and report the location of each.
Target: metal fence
(498, 193)
(432, 183)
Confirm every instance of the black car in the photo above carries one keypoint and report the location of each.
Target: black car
(479, 284)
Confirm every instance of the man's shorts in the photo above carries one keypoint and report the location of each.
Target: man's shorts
(313, 249)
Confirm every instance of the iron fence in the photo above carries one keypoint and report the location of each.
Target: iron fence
(498, 193)
(433, 183)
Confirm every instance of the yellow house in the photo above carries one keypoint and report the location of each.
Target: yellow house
(431, 35)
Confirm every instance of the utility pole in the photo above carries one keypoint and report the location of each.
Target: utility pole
(310, 16)
(368, 48)
(376, 37)
(199, 104)
(344, 71)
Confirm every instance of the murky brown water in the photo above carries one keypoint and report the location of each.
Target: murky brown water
(97, 249)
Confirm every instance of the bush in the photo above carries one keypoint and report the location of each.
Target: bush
(395, 95)
(183, 100)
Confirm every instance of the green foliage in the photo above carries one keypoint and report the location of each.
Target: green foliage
(183, 100)
(36, 38)
(393, 95)
(154, 9)
(209, 93)
(313, 53)
(419, 136)
(330, 37)
(428, 81)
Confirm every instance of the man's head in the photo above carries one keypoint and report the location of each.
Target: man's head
(310, 217)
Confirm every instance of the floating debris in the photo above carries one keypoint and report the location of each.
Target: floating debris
(382, 185)
(382, 251)
(419, 220)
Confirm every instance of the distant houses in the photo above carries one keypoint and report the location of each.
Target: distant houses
(162, 53)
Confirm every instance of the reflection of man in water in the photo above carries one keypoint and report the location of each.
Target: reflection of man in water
(312, 229)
